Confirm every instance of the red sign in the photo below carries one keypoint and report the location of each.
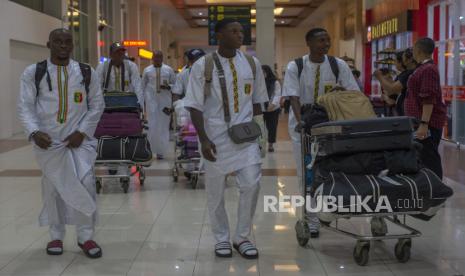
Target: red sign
(134, 43)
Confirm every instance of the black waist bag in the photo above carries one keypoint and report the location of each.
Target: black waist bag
(136, 149)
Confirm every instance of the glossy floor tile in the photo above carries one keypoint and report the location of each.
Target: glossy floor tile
(163, 228)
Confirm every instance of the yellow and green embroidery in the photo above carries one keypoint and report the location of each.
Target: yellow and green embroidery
(62, 94)
(235, 86)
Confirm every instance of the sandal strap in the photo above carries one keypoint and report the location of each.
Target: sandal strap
(245, 246)
(55, 244)
(223, 246)
(89, 245)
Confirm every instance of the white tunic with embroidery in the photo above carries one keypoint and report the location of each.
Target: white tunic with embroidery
(60, 112)
(156, 99)
(230, 156)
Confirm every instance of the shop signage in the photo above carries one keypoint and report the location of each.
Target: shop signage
(399, 24)
(240, 13)
(134, 43)
(145, 53)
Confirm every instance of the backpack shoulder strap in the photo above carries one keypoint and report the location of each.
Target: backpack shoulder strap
(86, 72)
(107, 69)
(334, 67)
(41, 71)
(252, 64)
(300, 65)
(208, 74)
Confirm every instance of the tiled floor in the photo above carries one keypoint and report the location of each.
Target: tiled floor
(163, 229)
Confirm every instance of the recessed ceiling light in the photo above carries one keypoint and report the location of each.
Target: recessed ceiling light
(282, 21)
(204, 20)
(200, 13)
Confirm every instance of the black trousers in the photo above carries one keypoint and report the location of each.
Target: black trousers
(271, 122)
(430, 153)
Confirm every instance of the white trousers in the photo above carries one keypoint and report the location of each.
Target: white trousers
(57, 213)
(248, 182)
(84, 232)
(297, 149)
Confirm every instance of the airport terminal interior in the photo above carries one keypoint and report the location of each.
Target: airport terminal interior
(153, 216)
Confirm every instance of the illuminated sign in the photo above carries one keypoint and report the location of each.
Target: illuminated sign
(399, 24)
(145, 54)
(134, 43)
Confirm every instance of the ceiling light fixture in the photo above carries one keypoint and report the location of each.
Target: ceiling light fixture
(276, 11)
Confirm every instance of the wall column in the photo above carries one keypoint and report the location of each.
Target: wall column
(265, 33)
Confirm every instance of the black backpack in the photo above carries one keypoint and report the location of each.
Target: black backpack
(332, 62)
(41, 71)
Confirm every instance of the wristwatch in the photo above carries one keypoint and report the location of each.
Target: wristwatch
(424, 122)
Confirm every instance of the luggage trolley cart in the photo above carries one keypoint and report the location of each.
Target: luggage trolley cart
(179, 160)
(115, 166)
(378, 224)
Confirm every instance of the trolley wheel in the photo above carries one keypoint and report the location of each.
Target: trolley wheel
(194, 179)
(141, 176)
(378, 227)
(302, 232)
(175, 174)
(125, 184)
(98, 185)
(402, 250)
(362, 252)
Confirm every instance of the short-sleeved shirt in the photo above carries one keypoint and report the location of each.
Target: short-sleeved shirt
(424, 87)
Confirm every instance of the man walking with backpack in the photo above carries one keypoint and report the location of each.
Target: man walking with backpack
(307, 78)
(157, 80)
(224, 94)
(120, 74)
(59, 105)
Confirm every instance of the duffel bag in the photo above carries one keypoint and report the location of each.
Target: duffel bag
(421, 192)
(116, 100)
(347, 105)
(394, 162)
(135, 148)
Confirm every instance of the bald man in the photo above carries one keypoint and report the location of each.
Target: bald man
(59, 105)
(157, 81)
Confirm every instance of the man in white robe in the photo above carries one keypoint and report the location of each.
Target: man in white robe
(120, 74)
(317, 77)
(60, 117)
(157, 80)
(223, 156)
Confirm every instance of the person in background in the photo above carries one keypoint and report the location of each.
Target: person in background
(271, 115)
(182, 79)
(316, 78)
(424, 101)
(396, 89)
(60, 114)
(356, 73)
(119, 73)
(157, 80)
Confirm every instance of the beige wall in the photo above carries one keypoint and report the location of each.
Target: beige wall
(29, 35)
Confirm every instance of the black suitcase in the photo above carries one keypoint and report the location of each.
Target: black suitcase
(353, 136)
(134, 148)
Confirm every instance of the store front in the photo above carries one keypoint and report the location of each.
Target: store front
(446, 25)
(384, 40)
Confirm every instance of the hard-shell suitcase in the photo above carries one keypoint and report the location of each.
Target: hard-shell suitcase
(119, 124)
(124, 101)
(352, 136)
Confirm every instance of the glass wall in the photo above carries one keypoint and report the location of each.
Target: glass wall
(447, 27)
(79, 25)
(50, 7)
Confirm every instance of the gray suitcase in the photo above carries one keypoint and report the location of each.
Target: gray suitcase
(353, 136)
